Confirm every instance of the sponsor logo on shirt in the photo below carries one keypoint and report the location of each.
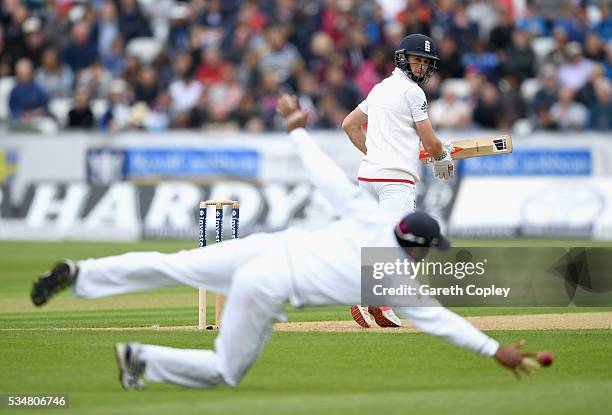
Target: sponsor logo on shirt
(424, 107)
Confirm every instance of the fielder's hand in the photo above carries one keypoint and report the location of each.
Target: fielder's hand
(443, 168)
(288, 107)
(515, 360)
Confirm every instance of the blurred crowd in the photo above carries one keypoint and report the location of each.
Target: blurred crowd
(162, 64)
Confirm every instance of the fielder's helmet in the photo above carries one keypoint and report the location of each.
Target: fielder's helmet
(417, 45)
(419, 229)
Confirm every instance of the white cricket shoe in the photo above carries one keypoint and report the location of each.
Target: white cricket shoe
(131, 367)
(385, 317)
(362, 316)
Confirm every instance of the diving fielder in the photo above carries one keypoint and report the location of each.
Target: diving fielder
(396, 113)
(261, 273)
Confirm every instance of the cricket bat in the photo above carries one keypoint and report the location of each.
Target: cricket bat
(475, 147)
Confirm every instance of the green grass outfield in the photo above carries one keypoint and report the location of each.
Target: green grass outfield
(330, 373)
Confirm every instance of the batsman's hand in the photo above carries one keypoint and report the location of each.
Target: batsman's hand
(516, 360)
(288, 108)
(443, 168)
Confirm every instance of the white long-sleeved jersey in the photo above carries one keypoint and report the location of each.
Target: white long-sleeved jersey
(326, 264)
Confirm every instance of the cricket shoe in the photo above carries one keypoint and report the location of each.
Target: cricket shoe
(385, 317)
(50, 283)
(131, 367)
(362, 316)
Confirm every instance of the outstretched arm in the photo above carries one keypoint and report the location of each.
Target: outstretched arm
(323, 172)
(439, 321)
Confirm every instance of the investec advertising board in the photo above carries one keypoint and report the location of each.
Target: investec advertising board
(535, 192)
(137, 186)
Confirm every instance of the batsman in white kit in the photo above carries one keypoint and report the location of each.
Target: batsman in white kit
(396, 113)
(262, 272)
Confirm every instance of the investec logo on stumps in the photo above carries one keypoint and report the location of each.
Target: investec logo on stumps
(201, 224)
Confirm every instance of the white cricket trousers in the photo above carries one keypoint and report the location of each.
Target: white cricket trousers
(258, 285)
(395, 199)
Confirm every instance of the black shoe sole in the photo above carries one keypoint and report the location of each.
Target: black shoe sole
(52, 283)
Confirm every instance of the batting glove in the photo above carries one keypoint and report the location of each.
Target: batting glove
(443, 167)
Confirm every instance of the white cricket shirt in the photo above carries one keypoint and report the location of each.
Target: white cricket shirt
(393, 107)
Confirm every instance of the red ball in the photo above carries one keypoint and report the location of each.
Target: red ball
(545, 358)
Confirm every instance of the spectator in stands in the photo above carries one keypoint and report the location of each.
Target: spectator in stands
(184, 89)
(248, 72)
(323, 54)
(267, 96)
(211, 69)
(487, 15)
(572, 21)
(414, 19)
(483, 61)
(345, 91)
(501, 36)
(586, 94)
(107, 28)
(132, 23)
(567, 113)
(374, 70)
(608, 61)
(34, 41)
(6, 69)
(331, 113)
(81, 51)
(27, 101)
(54, 76)
(449, 112)
(114, 60)
(601, 109)
(117, 116)
(488, 112)
(519, 59)
(432, 87)
(604, 27)
(450, 59)
(513, 104)
(374, 25)
(442, 19)
(179, 36)
(147, 87)
(15, 17)
(56, 23)
(246, 116)
(576, 71)
(80, 115)
(354, 53)
(131, 69)
(199, 115)
(96, 80)
(224, 97)
(278, 56)
(464, 31)
(594, 47)
(308, 93)
(558, 55)
(544, 99)
(236, 44)
(159, 118)
(532, 21)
